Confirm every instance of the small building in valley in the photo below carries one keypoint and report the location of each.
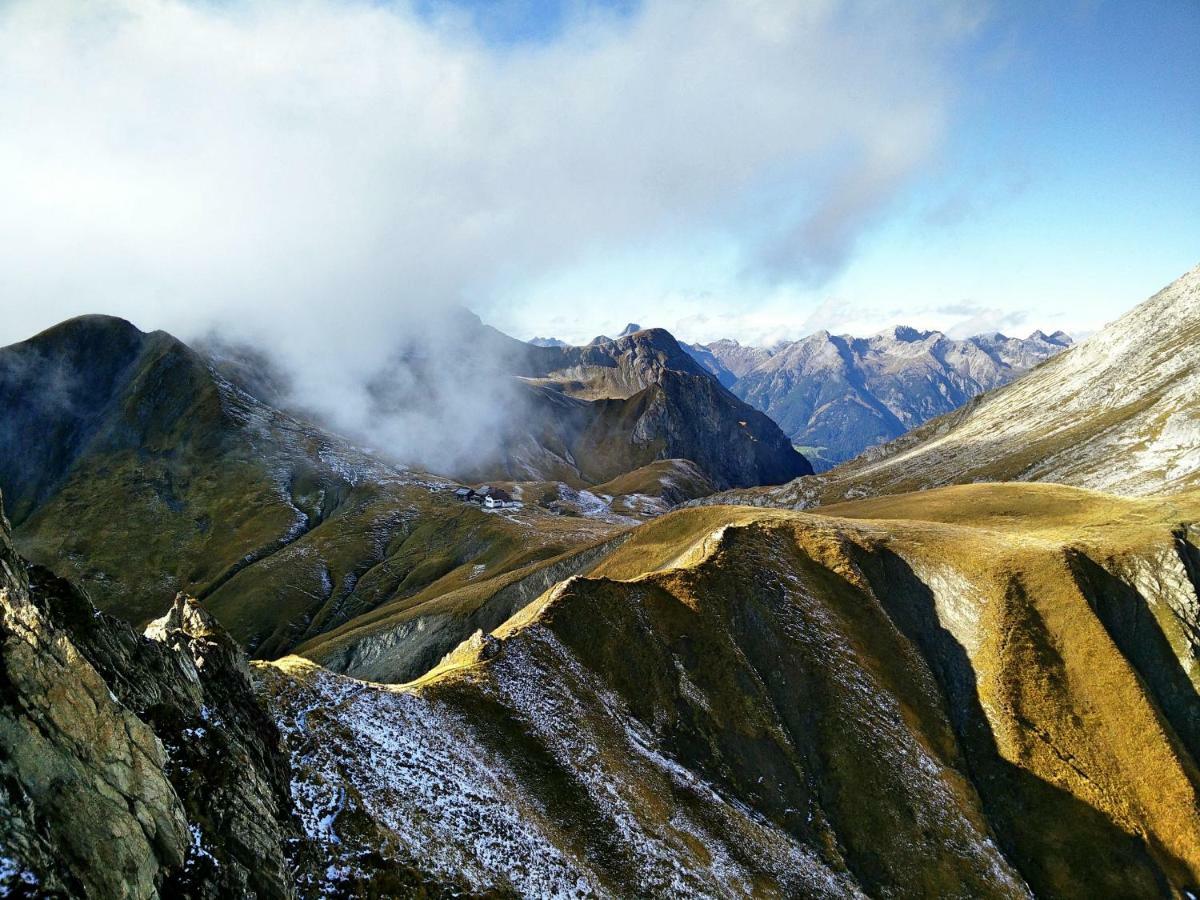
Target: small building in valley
(496, 498)
(488, 497)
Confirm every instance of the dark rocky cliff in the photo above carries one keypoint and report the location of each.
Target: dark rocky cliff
(132, 765)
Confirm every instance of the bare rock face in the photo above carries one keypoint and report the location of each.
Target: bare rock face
(87, 807)
(130, 765)
(601, 411)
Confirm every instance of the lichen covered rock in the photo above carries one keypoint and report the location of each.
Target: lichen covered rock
(132, 766)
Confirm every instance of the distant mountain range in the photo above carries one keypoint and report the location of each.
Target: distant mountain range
(837, 395)
(1115, 413)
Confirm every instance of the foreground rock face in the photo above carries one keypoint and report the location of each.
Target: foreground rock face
(87, 806)
(989, 691)
(132, 766)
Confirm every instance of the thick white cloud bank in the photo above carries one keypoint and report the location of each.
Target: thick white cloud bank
(312, 166)
(325, 174)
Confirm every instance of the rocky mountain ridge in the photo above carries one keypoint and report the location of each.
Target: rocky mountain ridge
(839, 395)
(586, 415)
(749, 703)
(996, 679)
(1117, 413)
(132, 765)
(147, 766)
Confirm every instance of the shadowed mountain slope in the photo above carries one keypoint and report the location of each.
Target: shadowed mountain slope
(677, 416)
(983, 691)
(591, 414)
(137, 471)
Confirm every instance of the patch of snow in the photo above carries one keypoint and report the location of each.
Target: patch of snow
(197, 849)
(419, 772)
(12, 872)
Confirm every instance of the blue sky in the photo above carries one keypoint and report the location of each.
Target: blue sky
(515, 22)
(1067, 189)
(324, 174)
(1075, 166)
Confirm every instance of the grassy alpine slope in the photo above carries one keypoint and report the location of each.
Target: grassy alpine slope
(135, 470)
(986, 690)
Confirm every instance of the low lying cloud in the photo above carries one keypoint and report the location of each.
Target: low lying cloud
(326, 177)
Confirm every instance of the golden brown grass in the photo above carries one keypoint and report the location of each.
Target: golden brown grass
(1029, 637)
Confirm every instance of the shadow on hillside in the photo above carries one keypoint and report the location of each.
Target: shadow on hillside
(1129, 621)
(1062, 846)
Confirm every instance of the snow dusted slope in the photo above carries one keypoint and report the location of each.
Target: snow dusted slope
(422, 768)
(1118, 412)
(746, 703)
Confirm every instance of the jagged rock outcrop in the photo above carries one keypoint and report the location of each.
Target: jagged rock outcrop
(133, 766)
(86, 807)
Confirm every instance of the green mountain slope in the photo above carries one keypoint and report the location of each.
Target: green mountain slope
(138, 471)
